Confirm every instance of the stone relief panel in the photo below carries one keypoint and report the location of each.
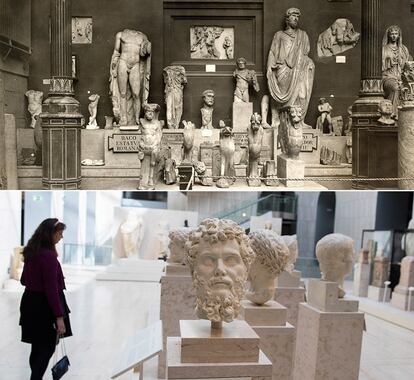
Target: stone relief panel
(211, 42)
(81, 30)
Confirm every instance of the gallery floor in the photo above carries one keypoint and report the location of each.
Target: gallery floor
(104, 313)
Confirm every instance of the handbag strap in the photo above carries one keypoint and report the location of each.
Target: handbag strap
(63, 348)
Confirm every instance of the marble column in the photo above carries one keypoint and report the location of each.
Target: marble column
(365, 109)
(61, 117)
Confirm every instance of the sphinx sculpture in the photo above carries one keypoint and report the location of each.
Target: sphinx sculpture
(188, 143)
(130, 75)
(272, 257)
(291, 132)
(178, 239)
(255, 139)
(219, 257)
(335, 253)
(174, 80)
(227, 150)
(290, 72)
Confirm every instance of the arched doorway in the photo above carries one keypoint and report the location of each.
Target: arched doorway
(325, 215)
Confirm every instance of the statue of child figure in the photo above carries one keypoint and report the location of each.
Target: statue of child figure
(325, 110)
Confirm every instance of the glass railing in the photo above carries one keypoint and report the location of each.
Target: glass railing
(86, 254)
(308, 266)
(274, 202)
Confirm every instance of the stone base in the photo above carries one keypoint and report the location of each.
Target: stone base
(361, 279)
(277, 337)
(254, 182)
(235, 342)
(323, 295)
(329, 344)
(259, 370)
(290, 298)
(242, 112)
(270, 314)
(289, 168)
(177, 302)
(377, 294)
(402, 301)
(288, 280)
(175, 269)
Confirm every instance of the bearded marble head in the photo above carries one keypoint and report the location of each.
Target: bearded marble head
(335, 254)
(272, 257)
(178, 239)
(219, 257)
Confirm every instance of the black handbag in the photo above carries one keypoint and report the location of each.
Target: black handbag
(61, 366)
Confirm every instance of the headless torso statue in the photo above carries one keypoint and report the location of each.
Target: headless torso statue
(130, 73)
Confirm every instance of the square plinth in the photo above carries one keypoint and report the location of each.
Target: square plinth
(175, 269)
(402, 301)
(242, 112)
(270, 314)
(235, 342)
(288, 280)
(262, 368)
(378, 294)
(328, 344)
(290, 168)
(290, 298)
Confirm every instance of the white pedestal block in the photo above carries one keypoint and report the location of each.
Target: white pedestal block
(260, 370)
(277, 337)
(177, 302)
(290, 168)
(402, 301)
(379, 294)
(242, 112)
(235, 342)
(290, 298)
(329, 342)
(361, 279)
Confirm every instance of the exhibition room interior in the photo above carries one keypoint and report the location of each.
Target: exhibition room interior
(123, 276)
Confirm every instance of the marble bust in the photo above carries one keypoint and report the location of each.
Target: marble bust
(219, 257)
(272, 256)
(335, 254)
(292, 243)
(177, 246)
(207, 110)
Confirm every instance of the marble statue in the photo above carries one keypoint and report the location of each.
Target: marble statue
(132, 234)
(335, 254)
(408, 81)
(188, 143)
(272, 256)
(290, 71)
(337, 39)
(161, 240)
(170, 173)
(394, 57)
(207, 110)
(292, 243)
(255, 139)
(130, 75)
(244, 78)
(219, 257)
(35, 99)
(93, 110)
(227, 150)
(174, 80)
(385, 108)
(178, 238)
(290, 132)
(149, 145)
(324, 109)
(228, 47)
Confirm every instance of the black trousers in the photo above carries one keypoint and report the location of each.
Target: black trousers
(40, 356)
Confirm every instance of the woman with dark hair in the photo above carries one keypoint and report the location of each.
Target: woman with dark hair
(44, 314)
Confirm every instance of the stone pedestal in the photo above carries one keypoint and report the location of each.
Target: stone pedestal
(406, 145)
(401, 297)
(381, 271)
(10, 136)
(277, 337)
(269, 173)
(361, 279)
(203, 352)
(290, 168)
(242, 112)
(330, 336)
(379, 294)
(177, 302)
(290, 293)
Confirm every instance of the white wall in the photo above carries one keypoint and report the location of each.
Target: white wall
(10, 228)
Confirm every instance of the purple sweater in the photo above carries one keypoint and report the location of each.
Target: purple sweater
(43, 273)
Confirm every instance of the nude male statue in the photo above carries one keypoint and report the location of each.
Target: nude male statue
(130, 73)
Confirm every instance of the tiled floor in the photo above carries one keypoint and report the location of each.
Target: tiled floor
(104, 313)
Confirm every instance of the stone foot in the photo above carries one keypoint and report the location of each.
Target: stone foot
(223, 183)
